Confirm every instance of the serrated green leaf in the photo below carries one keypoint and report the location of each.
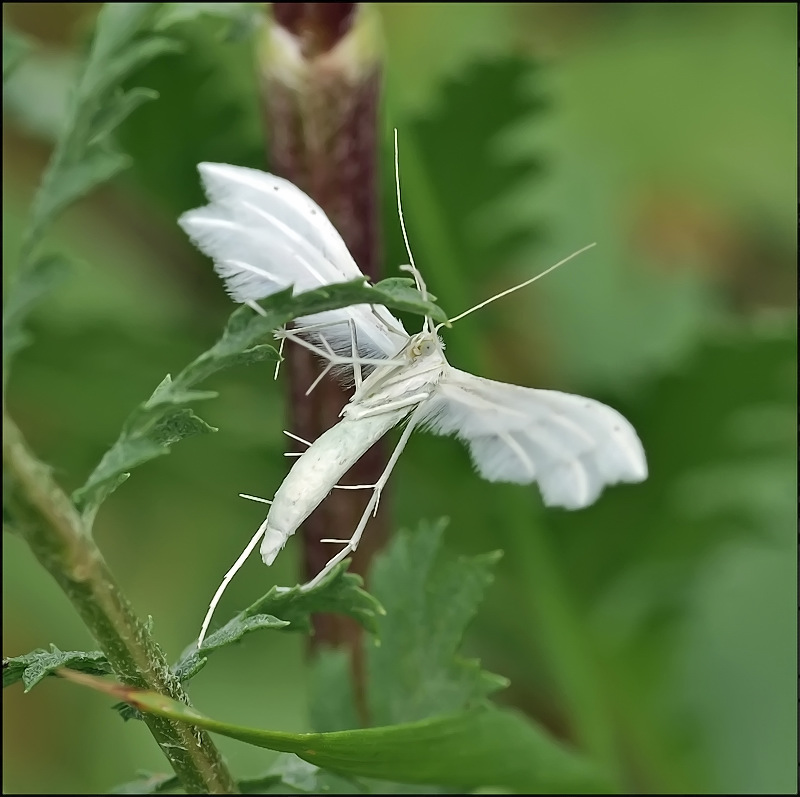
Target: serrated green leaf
(75, 180)
(84, 155)
(149, 440)
(15, 48)
(339, 592)
(403, 294)
(134, 55)
(242, 17)
(429, 599)
(160, 422)
(38, 664)
(290, 608)
(245, 329)
(43, 275)
(193, 660)
(481, 747)
(123, 104)
(179, 425)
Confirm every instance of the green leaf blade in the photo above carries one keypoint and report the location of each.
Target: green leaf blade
(33, 667)
(483, 747)
(416, 672)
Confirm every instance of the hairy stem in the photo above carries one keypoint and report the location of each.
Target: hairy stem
(320, 73)
(45, 517)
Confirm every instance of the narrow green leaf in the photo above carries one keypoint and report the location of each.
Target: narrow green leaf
(429, 599)
(481, 747)
(38, 664)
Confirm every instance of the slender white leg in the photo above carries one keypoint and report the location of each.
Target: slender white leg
(389, 406)
(255, 498)
(284, 333)
(280, 359)
(386, 322)
(319, 378)
(255, 307)
(352, 543)
(337, 359)
(226, 580)
(295, 437)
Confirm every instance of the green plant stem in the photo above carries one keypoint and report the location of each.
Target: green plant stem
(45, 517)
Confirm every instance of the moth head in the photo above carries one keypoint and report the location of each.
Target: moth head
(424, 345)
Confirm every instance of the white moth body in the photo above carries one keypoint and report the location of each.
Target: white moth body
(316, 472)
(264, 234)
(381, 402)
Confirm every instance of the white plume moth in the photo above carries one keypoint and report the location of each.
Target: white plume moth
(264, 234)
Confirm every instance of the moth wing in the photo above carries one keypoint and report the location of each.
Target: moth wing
(264, 234)
(571, 446)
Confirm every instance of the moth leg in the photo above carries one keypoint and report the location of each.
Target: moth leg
(387, 322)
(229, 575)
(389, 406)
(280, 360)
(372, 504)
(283, 334)
(255, 498)
(327, 353)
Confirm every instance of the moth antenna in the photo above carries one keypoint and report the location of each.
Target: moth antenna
(227, 579)
(516, 287)
(420, 283)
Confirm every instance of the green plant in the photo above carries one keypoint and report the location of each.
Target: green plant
(649, 636)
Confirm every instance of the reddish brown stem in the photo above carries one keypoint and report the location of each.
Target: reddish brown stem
(321, 87)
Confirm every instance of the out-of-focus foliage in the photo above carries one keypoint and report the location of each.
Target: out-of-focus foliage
(655, 629)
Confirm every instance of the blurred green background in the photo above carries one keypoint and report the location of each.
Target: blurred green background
(662, 618)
